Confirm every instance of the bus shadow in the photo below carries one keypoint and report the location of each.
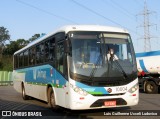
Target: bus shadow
(91, 112)
(17, 110)
(47, 113)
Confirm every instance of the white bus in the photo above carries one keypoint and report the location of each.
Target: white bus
(70, 68)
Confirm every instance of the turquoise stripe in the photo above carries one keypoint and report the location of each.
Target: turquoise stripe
(141, 62)
(147, 54)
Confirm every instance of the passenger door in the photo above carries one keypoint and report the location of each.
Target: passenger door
(60, 67)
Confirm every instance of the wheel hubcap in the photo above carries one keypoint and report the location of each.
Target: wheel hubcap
(150, 88)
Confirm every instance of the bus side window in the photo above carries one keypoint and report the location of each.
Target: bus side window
(37, 54)
(29, 52)
(52, 47)
(60, 54)
(32, 56)
(17, 61)
(47, 43)
(42, 53)
(21, 60)
(26, 58)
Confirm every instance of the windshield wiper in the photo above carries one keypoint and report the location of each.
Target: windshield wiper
(95, 68)
(120, 68)
(97, 62)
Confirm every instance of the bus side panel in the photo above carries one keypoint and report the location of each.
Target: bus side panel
(60, 97)
(60, 89)
(37, 91)
(17, 86)
(18, 78)
(36, 80)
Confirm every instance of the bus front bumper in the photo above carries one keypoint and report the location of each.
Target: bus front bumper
(94, 102)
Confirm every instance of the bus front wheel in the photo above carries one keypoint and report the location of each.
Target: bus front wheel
(51, 99)
(24, 96)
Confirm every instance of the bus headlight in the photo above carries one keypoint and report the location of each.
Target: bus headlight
(134, 88)
(76, 89)
(79, 90)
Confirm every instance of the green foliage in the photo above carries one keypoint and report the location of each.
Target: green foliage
(14, 46)
(6, 63)
(4, 34)
(34, 37)
(11, 48)
(22, 43)
(1, 65)
(7, 51)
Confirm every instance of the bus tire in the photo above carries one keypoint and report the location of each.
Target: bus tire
(24, 96)
(51, 99)
(151, 87)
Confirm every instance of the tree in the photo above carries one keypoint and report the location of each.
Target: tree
(22, 43)
(34, 37)
(18, 44)
(4, 35)
(11, 48)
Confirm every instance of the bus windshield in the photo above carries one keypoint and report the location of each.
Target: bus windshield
(100, 58)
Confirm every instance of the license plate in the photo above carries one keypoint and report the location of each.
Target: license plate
(110, 103)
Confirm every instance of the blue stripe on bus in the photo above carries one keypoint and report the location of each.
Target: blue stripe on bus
(146, 54)
(141, 62)
(92, 89)
(45, 74)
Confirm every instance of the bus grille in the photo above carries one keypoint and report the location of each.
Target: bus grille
(108, 94)
(100, 102)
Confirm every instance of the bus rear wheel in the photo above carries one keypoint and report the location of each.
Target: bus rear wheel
(51, 99)
(24, 96)
(151, 87)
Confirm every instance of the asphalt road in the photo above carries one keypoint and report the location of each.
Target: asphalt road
(12, 101)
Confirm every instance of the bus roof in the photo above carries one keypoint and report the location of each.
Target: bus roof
(68, 28)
